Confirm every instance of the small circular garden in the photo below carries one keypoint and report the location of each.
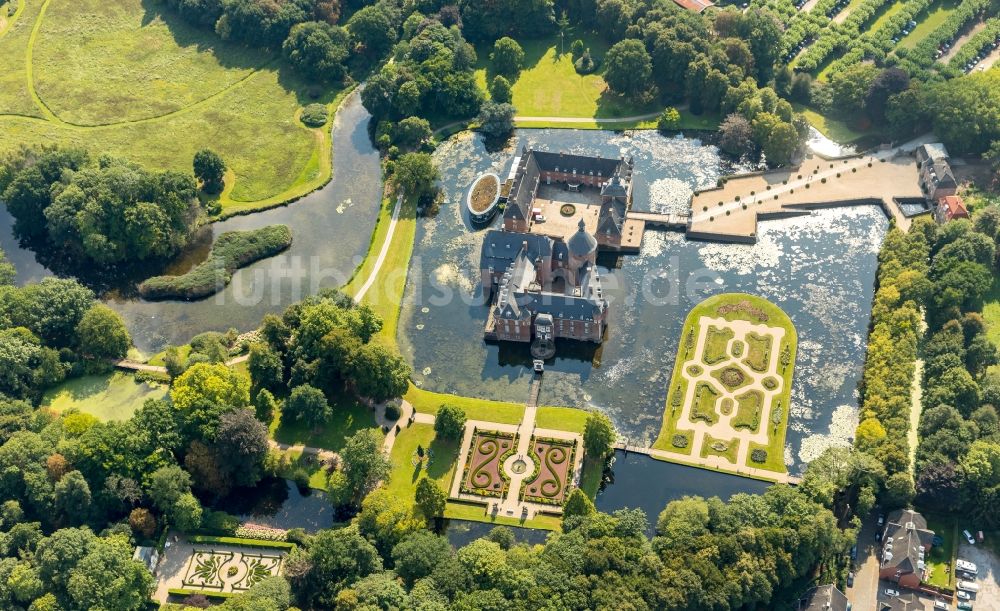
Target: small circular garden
(567, 210)
(484, 193)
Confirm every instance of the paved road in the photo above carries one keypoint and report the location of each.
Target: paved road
(865, 591)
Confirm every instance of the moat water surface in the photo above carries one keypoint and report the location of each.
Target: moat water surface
(820, 270)
(331, 230)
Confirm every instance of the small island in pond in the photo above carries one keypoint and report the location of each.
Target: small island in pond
(231, 251)
(727, 405)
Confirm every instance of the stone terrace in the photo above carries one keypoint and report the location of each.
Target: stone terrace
(782, 193)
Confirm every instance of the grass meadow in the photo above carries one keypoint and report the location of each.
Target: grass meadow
(123, 78)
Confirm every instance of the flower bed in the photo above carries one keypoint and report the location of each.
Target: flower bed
(483, 474)
(263, 533)
(555, 459)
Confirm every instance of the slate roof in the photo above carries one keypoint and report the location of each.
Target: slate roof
(500, 248)
(581, 243)
(615, 187)
(934, 151)
(944, 177)
(906, 601)
(583, 164)
(823, 598)
(906, 532)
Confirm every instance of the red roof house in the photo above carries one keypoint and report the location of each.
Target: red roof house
(950, 207)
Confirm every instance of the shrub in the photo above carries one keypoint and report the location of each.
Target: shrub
(585, 64)
(758, 455)
(669, 119)
(301, 478)
(392, 410)
(314, 115)
(679, 441)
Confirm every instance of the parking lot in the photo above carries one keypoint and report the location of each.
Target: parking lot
(988, 579)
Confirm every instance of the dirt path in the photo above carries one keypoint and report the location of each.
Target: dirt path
(944, 59)
(990, 60)
(808, 6)
(382, 253)
(916, 391)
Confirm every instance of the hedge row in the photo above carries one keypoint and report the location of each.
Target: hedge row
(892, 347)
(839, 36)
(921, 57)
(231, 251)
(207, 540)
(976, 44)
(807, 24)
(185, 592)
(876, 44)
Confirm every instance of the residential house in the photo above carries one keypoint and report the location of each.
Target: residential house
(934, 170)
(823, 598)
(905, 544)
(950, 207)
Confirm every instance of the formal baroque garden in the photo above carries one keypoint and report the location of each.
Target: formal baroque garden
(731, 386)
(484, 474)
(554, 464)
(228, 571)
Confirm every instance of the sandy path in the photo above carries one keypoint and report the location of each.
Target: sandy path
(944, 59)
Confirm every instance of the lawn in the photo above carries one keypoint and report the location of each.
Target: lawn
(933, 18)
(441, 468)
(834, 129)
(562, 419)
(549, 85)
(941, 558)
(349, 417)
(293, 459)
(428, 402)
(122, 78)
(991, 311)
(386, 294)
(732, 448)
(112, 396)
(885, 15)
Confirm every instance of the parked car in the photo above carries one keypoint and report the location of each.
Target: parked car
(968, 537)
(891, 592)
(881, 519)
(964, 607)
(963, 595)
(968, 567)
(979, 536)
(940, 604)
(850, 579)
(854, 552)
(968, 586)
(878, 535)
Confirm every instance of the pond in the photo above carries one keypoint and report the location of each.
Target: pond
(278, 503)
(641, 482)
(819, 269)
(331, 231)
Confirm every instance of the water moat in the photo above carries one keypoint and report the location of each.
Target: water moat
(819, 269)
